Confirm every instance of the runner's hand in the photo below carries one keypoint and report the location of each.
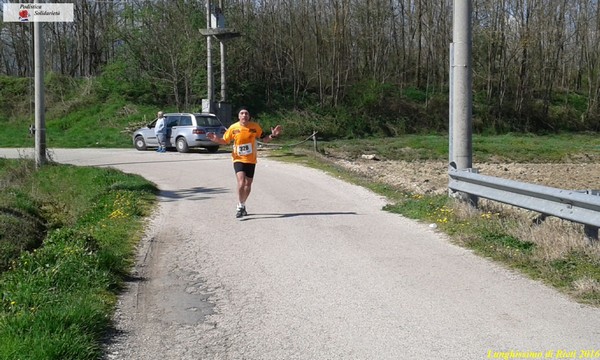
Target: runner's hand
(276, 130)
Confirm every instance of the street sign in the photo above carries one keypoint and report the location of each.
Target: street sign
(37, 12)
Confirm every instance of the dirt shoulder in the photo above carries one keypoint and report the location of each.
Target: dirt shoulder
(431, 177)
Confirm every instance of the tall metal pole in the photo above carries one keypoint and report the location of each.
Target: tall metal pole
(40, 123)
(209, 69)
(223, 66)
(223, 73)
(461, 116)
(451, 106)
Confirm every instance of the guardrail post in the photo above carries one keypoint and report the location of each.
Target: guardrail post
(591, 232)
(470, 199)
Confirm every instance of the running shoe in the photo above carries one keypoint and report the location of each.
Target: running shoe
(241, 211)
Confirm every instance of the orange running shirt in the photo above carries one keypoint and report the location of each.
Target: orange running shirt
(244, 141)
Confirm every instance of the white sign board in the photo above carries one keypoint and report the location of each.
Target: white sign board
(43, 12)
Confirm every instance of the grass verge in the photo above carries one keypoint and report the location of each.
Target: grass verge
(57, 297)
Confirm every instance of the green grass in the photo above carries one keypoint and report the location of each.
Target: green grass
(486, 148)
(56, 298)
(106, 125)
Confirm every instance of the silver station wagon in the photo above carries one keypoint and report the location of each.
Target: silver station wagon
(184, 131)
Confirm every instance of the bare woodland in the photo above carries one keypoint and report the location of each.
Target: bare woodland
(525, 52)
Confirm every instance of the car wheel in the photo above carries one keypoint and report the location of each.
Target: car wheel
(139, 143)
(212, 149)
(182, 145)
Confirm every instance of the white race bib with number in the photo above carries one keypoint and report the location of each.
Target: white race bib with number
(244, 149)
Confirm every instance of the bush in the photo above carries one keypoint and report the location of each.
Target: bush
(19, 232)
(16, 97)
(122, 80)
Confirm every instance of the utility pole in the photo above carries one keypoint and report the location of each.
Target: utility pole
(462, 102)
(209, 70)
(40, 122)
(461, 98)
(215, 27)
(223, 65)
(26, 13)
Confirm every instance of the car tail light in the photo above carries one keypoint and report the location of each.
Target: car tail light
(198, 132)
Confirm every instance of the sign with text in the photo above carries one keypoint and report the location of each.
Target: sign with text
(43, 12)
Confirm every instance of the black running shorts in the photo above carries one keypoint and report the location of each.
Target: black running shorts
(244, 167)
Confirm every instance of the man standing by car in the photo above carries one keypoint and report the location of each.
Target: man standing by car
(244, 134)
(160, 129)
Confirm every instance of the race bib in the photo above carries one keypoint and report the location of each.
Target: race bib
(244, 149)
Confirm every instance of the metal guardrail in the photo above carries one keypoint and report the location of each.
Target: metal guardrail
(575, 205)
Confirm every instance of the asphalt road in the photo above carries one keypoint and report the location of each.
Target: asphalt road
(316, 271)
